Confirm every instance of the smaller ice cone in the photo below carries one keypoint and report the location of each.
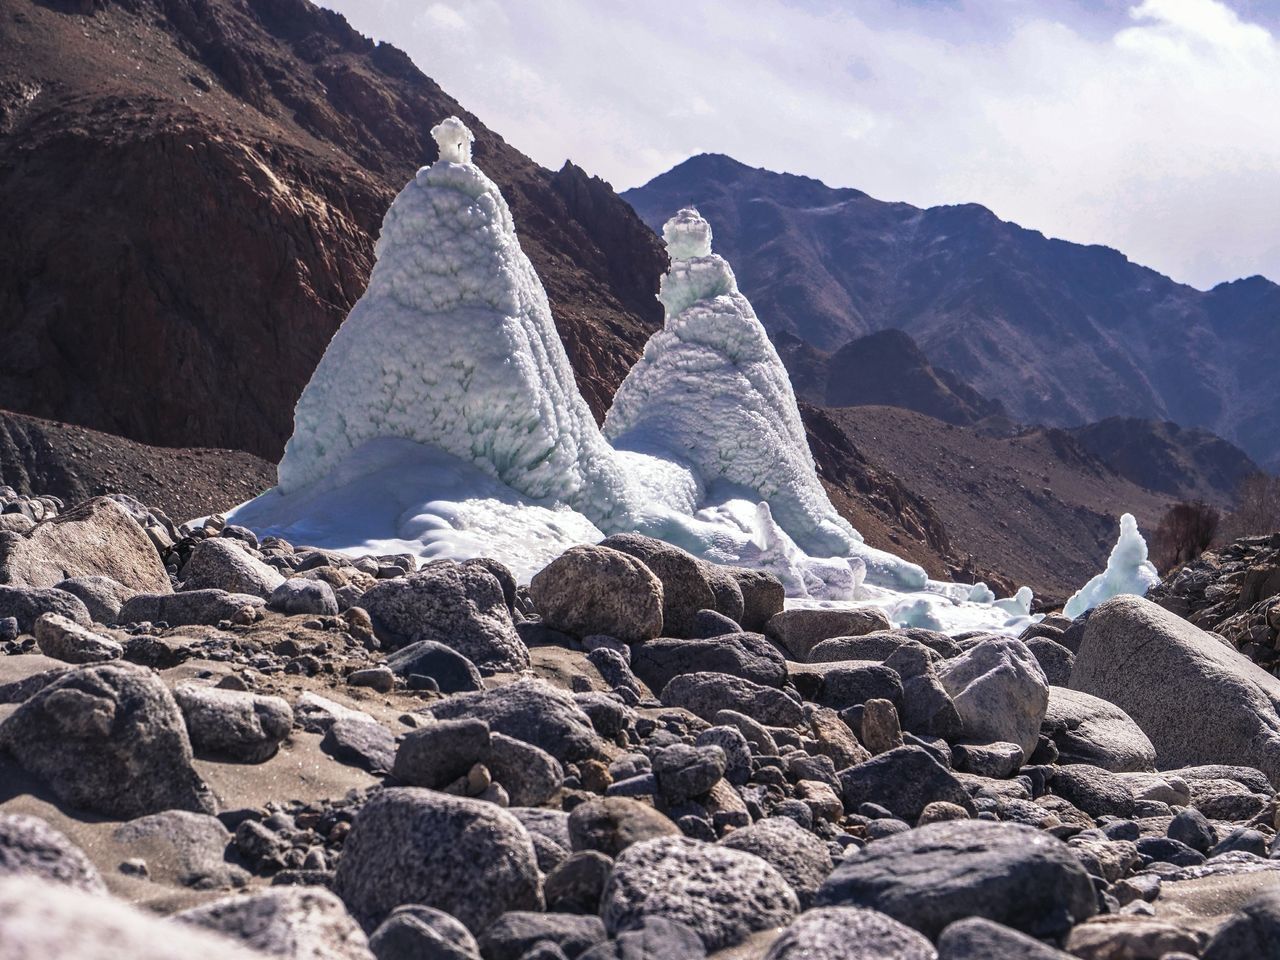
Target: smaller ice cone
(1128, 571)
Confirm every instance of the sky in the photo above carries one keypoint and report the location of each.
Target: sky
(1151, 126)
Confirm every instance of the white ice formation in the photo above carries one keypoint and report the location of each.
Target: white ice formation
(453, 345)
(444, 420)
(1128, 571)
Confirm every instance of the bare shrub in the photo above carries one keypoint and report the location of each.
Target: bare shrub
(1186, 530)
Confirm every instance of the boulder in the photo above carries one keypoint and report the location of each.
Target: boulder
(95, 538)
(744, 655)
(102, 596)
(706, 694)
(976, 938)
(302, 596)
(361, 743)
(27, 604)
(611, 824)
(763, 595)
(849, 933)
(297, 923)
(686, 587)
(469, 858)
(1087, 729)
(724, 586)
(108, 738)
(529, 710)
(723, 895)
(60, 638)
(233, 724)
(436, 755)
(190, 846)
(223, 563)
(934, 875)
(530, 776)
(460, 606)
(187, 608)
(415, 932)
(452, 672)
(29, 847)
(1253, 931)
(1055, 660)
(683, 772)
(514, 934)
(904, 781)
(591, 590)
(1096, 791)
(799, 856)
(655, 938)
(41, 921)
(1134, 653)
(799, 631)
(999, 691)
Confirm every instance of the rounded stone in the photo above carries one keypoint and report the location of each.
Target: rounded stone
(597, 590)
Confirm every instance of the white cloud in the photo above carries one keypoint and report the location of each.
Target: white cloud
(1150, 126)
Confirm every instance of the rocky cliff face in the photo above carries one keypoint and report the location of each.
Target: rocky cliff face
(1060, 333)
(192, 189)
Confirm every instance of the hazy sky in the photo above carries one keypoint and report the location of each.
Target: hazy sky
(1152, 126)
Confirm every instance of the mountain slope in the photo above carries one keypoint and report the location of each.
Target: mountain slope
(1189, 464)
(1060, 333)
(192, 189)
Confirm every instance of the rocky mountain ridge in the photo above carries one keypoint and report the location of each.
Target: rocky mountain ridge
(1061, 334)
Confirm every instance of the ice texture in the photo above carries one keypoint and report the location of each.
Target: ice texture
(1128, 571)
(444, 421)
(453, 345)
(712, 392)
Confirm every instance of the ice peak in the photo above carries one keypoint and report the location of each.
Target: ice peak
(454, 140)
(687, 235)
(1128, 571)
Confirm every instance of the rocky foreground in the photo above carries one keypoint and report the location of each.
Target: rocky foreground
(220, 747)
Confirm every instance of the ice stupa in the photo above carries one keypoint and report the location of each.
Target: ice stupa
(711, 392)
(444, 421)
(1128, 571)
(453, 345)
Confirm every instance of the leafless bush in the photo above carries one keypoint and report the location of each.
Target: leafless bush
(1186, 531)
(1257, 509)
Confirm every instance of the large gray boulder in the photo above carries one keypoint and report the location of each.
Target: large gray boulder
(591, 590)
(849, 933)
(1087, 729)
(459, 605)
(296, 923)
(799, 856)
(61, 638)
(1134, 653)
(706, 694)
(108, 738)
(936, 874)
(95, 538)
(224, 563)
(999, 690)
(977, 939)
(686, 587)
(529, 710)
(723, 895)
(1253, 931)
(102, 596)
(799, 631)
(42, 921)
(469, 858)
(187, 608)
(746, 655)
(763, 595)
(904, 781)
(415, 932)
(234, 724)
(190, 846)
(28, 604)
(31, 848)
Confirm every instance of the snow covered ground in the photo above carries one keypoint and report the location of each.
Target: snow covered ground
(444, 421)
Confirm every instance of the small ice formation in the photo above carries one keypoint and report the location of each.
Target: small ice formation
(711, 392)
(444, 421)
(453, 345)
(1128, 571)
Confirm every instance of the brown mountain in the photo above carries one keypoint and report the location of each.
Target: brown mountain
(191, 191)
(1184, 462)
(1060, 333)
